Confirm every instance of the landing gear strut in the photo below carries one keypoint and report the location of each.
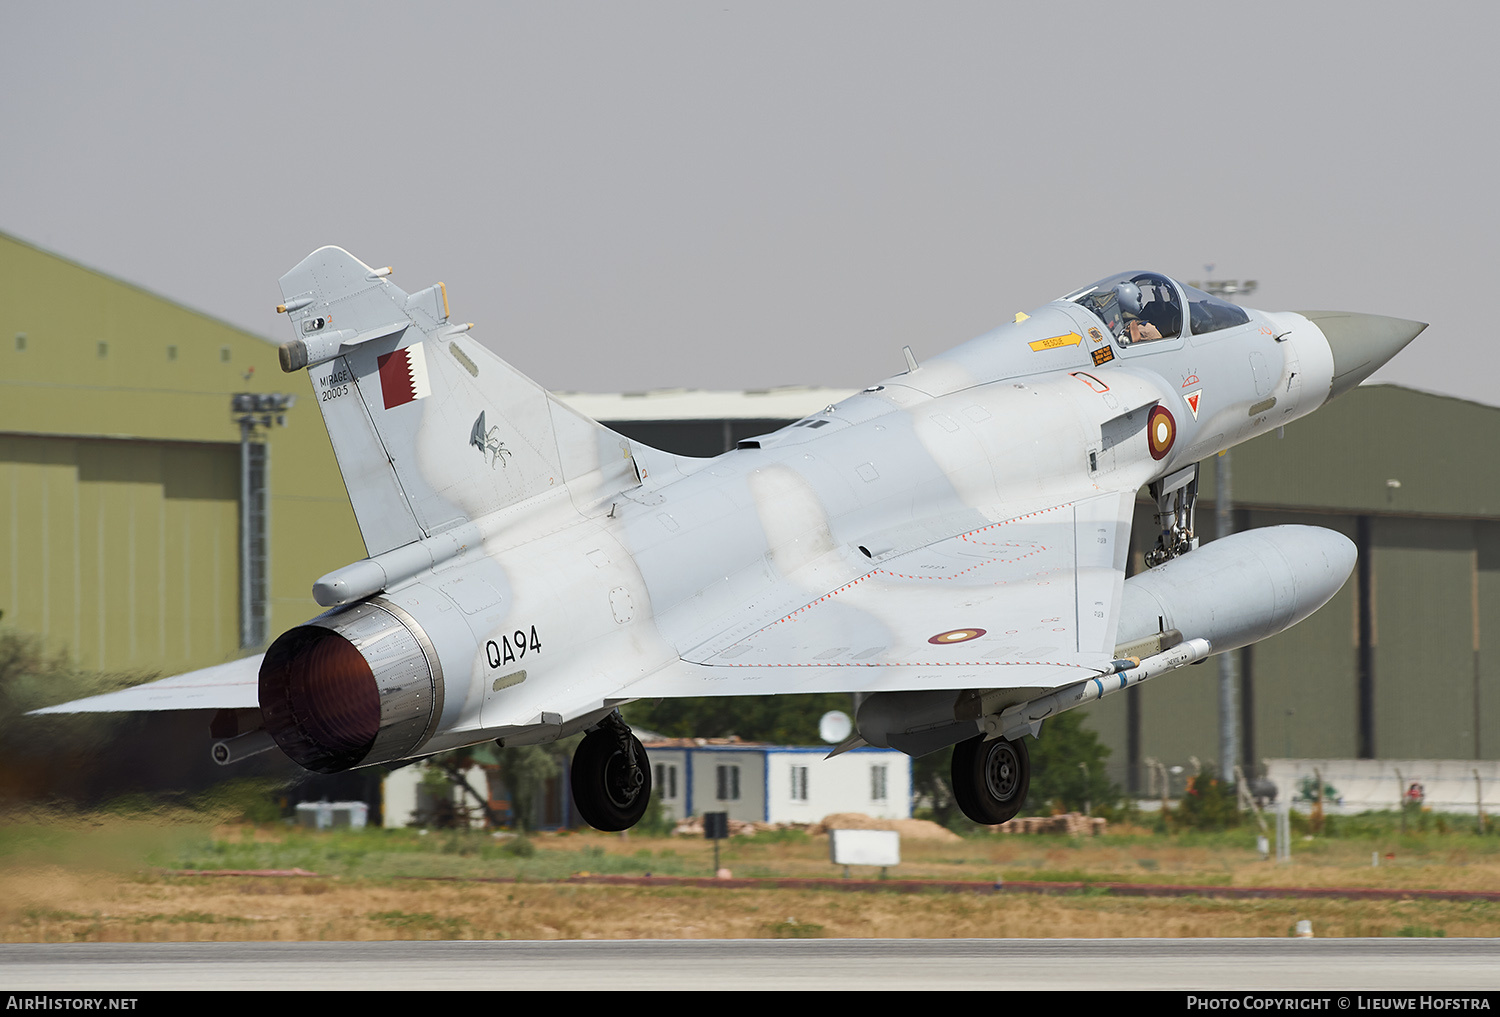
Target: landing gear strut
(991, 778)
(1176, 499)
(611, 779)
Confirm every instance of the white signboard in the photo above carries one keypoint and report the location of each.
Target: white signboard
(865, 847)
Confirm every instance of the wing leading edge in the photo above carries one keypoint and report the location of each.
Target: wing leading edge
(231, 686)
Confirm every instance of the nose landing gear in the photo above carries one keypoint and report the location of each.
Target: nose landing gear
(990, 779)
(611, 778)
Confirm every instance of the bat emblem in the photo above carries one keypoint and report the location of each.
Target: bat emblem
(488, 442)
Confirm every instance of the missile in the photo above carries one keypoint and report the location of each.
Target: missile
(1027, 717)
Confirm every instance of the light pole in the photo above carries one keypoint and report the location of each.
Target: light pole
(256, 413)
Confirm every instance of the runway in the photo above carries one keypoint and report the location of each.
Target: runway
(1254, 965)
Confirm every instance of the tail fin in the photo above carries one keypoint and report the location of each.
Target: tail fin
(430, 429)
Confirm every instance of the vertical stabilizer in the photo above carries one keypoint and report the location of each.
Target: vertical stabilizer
(430, 428)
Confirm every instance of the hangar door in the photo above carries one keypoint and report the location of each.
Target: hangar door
(123, 553)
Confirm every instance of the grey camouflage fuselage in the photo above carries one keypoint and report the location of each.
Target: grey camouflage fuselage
(949, 544)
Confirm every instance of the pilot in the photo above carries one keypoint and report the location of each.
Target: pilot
(1138, 328)
(1141, 330)
(1146, 320)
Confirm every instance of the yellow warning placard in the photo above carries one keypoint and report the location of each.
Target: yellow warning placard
(1071, 339)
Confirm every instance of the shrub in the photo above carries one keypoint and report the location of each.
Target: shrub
(656, 822)
(1208, 803)
(519, 847)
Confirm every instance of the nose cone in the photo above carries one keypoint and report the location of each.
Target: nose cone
(1361, 343)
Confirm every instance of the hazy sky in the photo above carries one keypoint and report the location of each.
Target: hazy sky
(734, 195)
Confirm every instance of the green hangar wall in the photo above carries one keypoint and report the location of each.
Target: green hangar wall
(120, 473)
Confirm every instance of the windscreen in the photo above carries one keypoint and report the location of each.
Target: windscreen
(1135, 307)
(1208, 313)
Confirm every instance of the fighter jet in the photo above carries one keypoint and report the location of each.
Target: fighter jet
(948, 545)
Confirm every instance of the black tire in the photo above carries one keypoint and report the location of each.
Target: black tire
(600, 786)
(990, 779)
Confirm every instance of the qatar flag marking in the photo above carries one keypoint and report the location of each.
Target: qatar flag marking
(403, 376)
(1192, 399)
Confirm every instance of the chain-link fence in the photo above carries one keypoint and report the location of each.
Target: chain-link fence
(1350, 786)
(1364, 785)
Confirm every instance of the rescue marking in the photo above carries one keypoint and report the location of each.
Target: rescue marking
(1096, 335)
(1102, 355)
(1192, 399)
(1071, 339)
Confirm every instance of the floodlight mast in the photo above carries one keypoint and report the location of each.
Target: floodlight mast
(256, 412)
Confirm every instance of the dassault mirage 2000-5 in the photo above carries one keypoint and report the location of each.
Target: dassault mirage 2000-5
(948, 545)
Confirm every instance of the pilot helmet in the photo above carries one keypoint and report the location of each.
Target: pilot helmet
(1129, 296)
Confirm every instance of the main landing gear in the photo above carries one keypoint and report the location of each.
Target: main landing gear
(611, 778)
(990, 779)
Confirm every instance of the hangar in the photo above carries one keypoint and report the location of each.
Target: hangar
(164, 506)
(121, 470)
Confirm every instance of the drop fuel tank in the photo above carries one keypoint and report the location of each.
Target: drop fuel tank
(1238, 589)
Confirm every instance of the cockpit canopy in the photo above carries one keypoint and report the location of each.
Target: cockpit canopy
(1139, 307)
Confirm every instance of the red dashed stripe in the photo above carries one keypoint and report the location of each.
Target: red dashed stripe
(909, 663)
(898, 575)
(1036, 549)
